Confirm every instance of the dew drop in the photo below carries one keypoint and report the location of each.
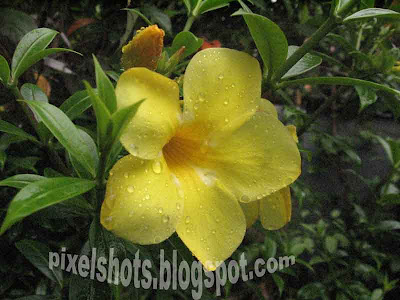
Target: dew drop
(187, 220)
(157, 167)
(178, 206)
(245, 199)
(201, 97)
(160, 210)
(130, 189)
(226, 120)
(226, 102)
(165, 219)
(196, 107)
(213, 232)
(259, 197)
(126, 175)
(221, 76)
(111, 173)
(233, 85)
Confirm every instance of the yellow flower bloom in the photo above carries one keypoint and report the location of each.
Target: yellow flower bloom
(144, 50)
(189, 171)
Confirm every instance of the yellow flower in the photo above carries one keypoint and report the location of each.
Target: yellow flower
(188, 171)
(144, 50)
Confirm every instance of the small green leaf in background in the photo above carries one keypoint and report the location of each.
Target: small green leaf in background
(387, 225)
(80, 170)
(20, 181)
(270, 40)
(209, 5)
(390, 199)
(12, 129)
(345, 44)
(4, 70)
(38, 254)
(280, 283)
(104, 87)
(66, 133)
(32, 92)
(26, 163)
(270, 248)
(377, 294)
(312, 291)
(368, 13)
(367, 4)
(14, 24)
(331, 244)
(77, 104)
(40, 194)
(187, 39)
(157, 16)
(31, 49)
(305, 64)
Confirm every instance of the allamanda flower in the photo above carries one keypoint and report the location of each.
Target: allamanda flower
(192, 171)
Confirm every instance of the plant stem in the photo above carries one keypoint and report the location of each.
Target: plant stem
(338, 81)
(189, 23)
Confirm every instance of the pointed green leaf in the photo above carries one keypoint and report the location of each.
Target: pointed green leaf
(122, 117)
(209, 5)
(40, 194)
(14, 24)
(12, 129)
(32, 92)
(305, 64)
(368, 13)
(66, 133)
(331, 244)
(38, 254)
(4, 70)
(103, 115)
(280, 283)
(187, 39)
(80, 170)
(19, 181)
(367, 96)
(104, 87)
(75, 105)
(269, 38)
(387, 225)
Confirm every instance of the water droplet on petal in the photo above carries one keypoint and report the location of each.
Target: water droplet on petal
(126, 175)
(187, 220)
(147, 197)
(201, 97)
(226, 102)
(178, 206)
(196, 107)
(233, 85)
(213, 232)
(157, 167)
(259, 197)
(221, 76)
(245, 199)
(130, 189)
(226, 120)
(165, 219)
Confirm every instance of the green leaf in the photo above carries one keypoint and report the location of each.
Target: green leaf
(80, 170)
(331, 244)
(139, 13)
(20, 181)
(270, 248)
(66, 133)
(269, 38)
(368, 13)
(14, 24)
(103, 115)
(341, 41)
(12, 129)
(158, 16)
(4, 70)
(209, 5)
(386, 146)
(31, 44)
(77, 104)
(41, 194)
(38, 254)
(32, 92)
(387, 225)
(105, 88)
(25, 163)
(390, 199)
(187, 39)
(305, 64)
(121, 118)
(312, 291)
(280, 283)
(377, 294)
(3, 158)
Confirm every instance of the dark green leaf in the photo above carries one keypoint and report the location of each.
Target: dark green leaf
(386, 147)
(19, 181)
(12, 129)
(187, 39)
(280, 283)
(80, 170)
(3, 158)
(341, 41)
(390, 199)
(75, 105)
(66, 133)
(377, 294)
(312, 291)
(4, 70)
(159, 17)
(209, 5)
(269, 38)
(391, 102)
(305, 64)
(368, 13)
(353, 156)
(103, 115)
(387, 225)
(331, 244)
(105, 88)
(25, 163)
(39, 297)
(139, 13)
(14, 24)
(38, 254)
(40, 194)
(32, 92)
(270, 248)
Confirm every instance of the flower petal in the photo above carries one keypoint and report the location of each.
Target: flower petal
(293, 132)
(157, 117)
(213, 224)
(275, 209)
(141, 202)
(256, 159)
(268, 107)
(221, 85)
(251, 212)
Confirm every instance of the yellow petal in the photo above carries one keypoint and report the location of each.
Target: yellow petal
(144, 50)
(275, 209)
(292, 130)
(213, 224)
(141, 202)
(157, 118)
(256, 159)
(221, 85)
(268, 107)
(251, 211)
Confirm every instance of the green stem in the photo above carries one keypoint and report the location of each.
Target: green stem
(328, 25)
(189, 23)
(338, 81)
